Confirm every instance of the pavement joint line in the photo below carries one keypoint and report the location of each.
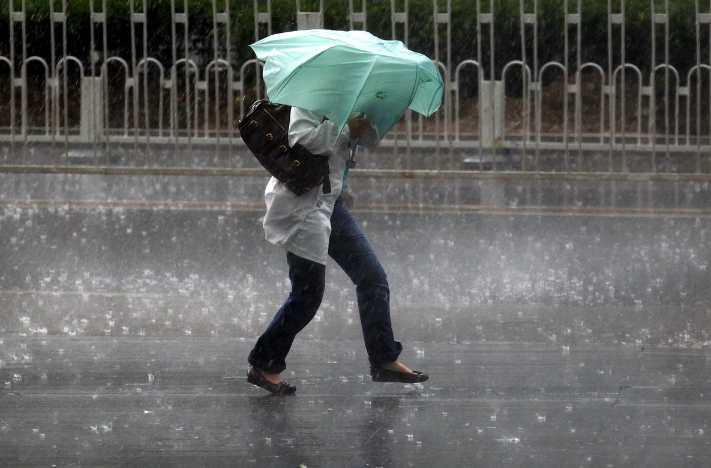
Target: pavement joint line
(433, 174)
(379, 208)
(536, 210)
(133, 204)
(20, 292)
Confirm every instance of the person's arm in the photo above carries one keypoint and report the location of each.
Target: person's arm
(311, 131)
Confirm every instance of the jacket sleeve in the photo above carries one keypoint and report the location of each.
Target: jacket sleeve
(312, 132)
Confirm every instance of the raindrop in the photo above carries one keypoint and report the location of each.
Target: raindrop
(510, 440)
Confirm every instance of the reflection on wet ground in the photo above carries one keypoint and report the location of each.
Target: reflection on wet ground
(184, 402)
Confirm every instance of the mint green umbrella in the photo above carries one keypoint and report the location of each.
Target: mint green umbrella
(336, 73)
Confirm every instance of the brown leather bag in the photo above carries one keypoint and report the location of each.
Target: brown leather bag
(265, 131)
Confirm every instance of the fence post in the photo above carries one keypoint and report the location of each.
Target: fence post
(261, 18)
(491, 108)
(401, 17)
(309, 19)
(92, 110)
(357, 17)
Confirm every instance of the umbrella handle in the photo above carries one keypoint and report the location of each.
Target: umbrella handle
(352, 149)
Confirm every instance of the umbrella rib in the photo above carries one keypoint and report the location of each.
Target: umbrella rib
(361, 86)
(417, 85)
(429, 111)
(389, 125)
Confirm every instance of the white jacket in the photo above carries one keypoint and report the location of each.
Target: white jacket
(302, 225)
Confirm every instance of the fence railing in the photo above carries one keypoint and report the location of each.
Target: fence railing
(517, 112)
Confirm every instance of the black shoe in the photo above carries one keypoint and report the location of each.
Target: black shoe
(378, 374)
(256, 378)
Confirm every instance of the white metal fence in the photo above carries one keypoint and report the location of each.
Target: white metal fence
(565, 116)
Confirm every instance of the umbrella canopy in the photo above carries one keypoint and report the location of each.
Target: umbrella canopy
(336, 73)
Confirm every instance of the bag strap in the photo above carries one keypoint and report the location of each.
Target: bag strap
(326, 184)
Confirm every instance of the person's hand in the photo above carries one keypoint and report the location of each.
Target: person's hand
(358, 126)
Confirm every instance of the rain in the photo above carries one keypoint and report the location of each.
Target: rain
(546, 235)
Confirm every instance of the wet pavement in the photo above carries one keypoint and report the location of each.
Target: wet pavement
(148, 402)
(552, 340)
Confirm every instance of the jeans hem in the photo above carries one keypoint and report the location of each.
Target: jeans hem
(385, 358)
(265, 365)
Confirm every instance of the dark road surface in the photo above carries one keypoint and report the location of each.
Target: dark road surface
(552, 340)
(184, 402)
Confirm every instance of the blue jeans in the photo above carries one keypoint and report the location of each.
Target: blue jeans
(351, 250)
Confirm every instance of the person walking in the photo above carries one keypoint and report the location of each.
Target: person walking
(312, 227)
